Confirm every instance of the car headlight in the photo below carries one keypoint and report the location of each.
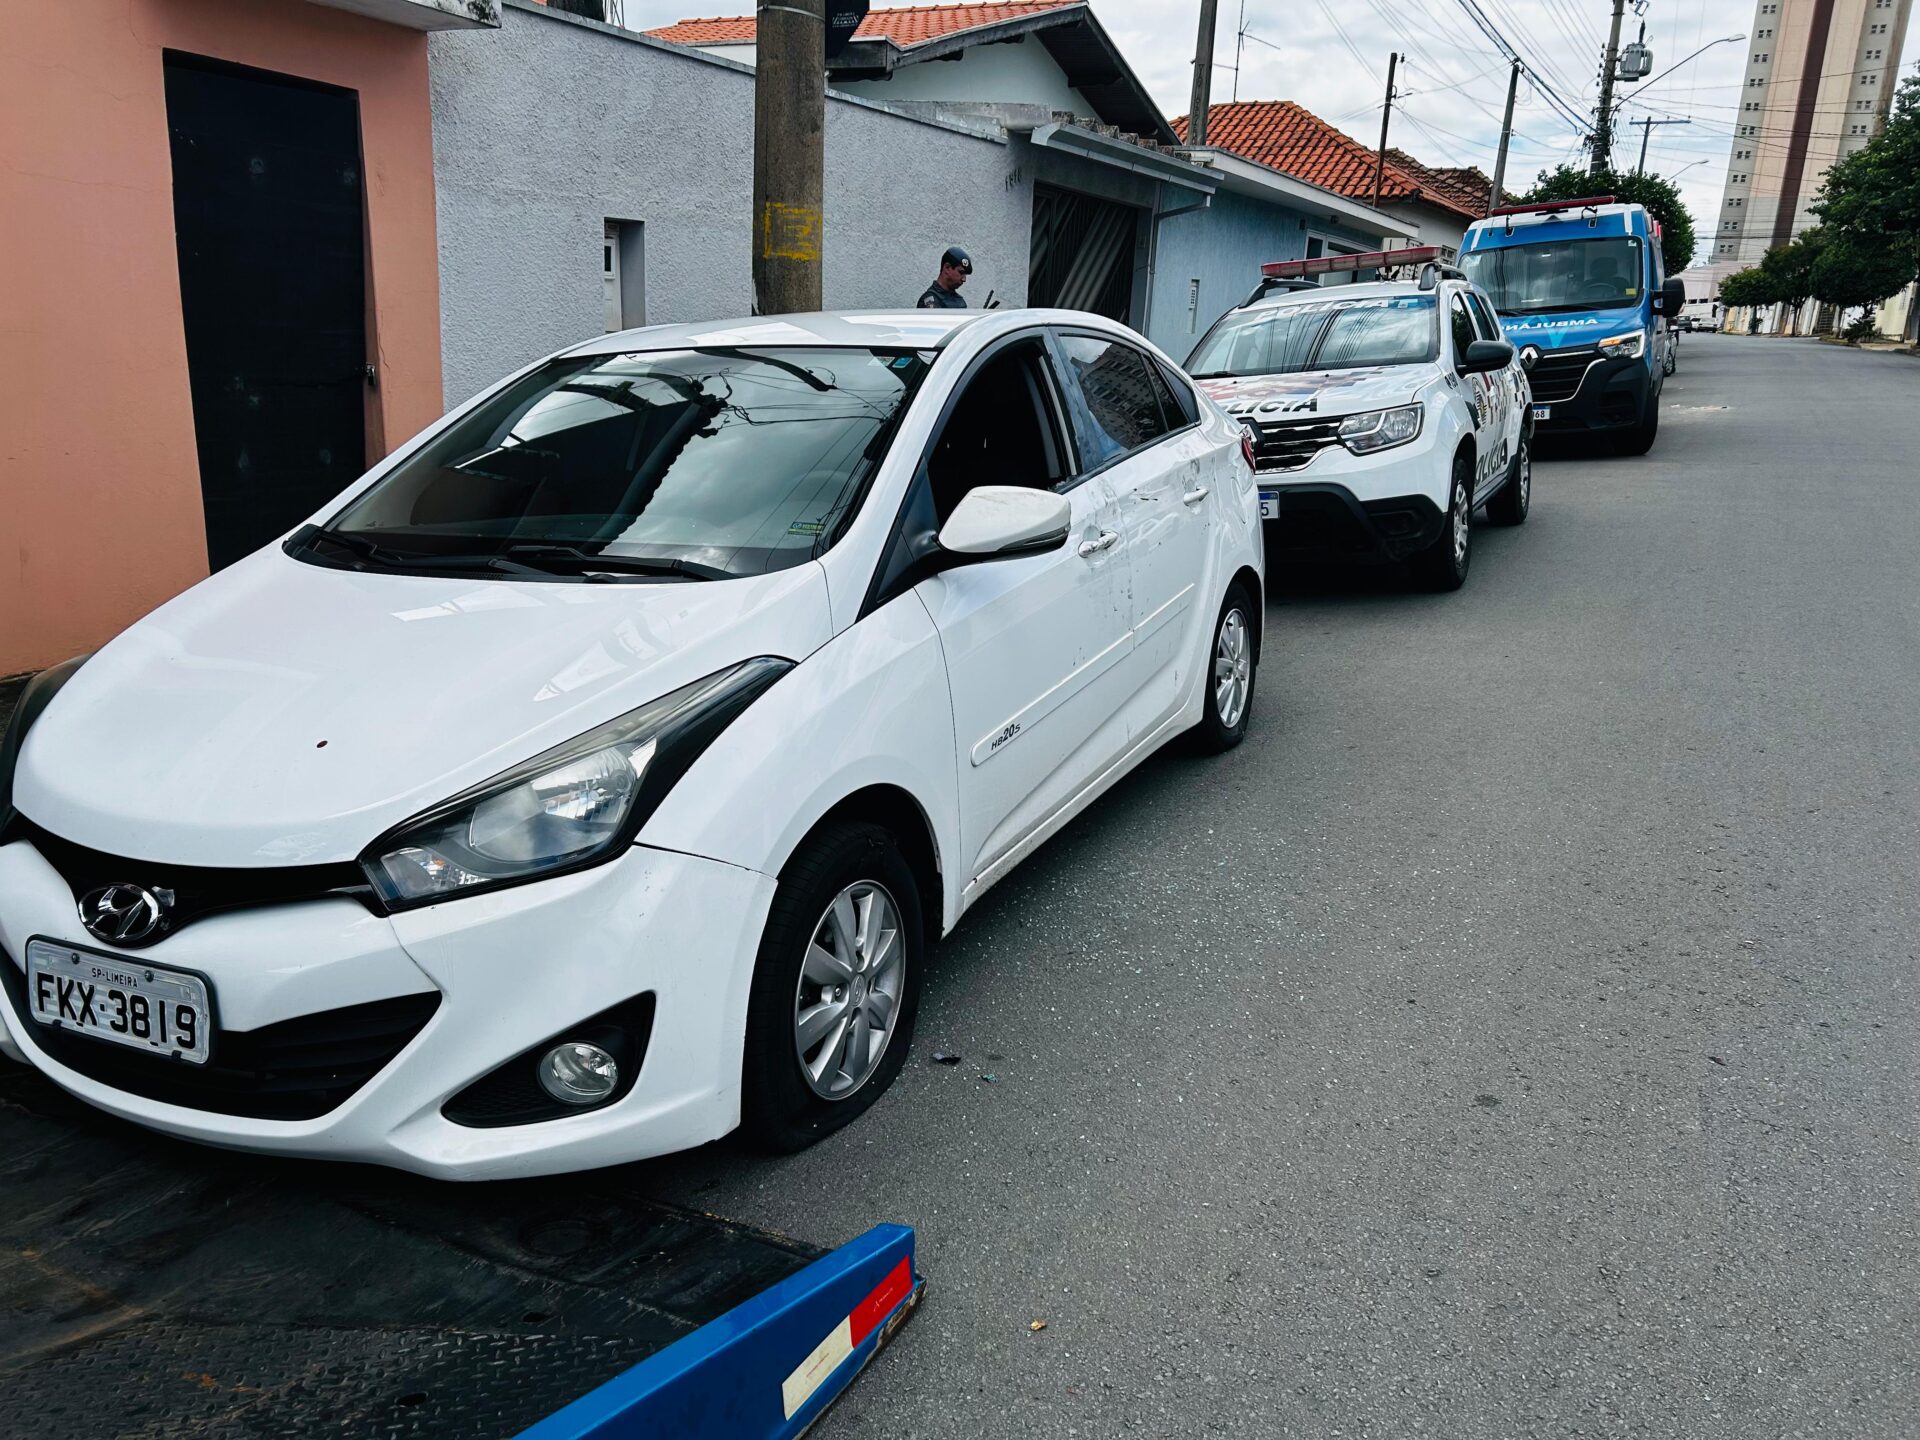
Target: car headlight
(567, 808)
(1625, 347)
(1381, 429)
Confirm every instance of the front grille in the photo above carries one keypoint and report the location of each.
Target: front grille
(197, 890)
(1557, 374)
(294, 1070)
(1291, 444)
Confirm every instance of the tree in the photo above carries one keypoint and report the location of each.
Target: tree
(1663, 203)
(1789, 270)
(1749, 287)
(1872, 196)
(1851, 272)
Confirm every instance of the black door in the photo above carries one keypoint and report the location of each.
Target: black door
(267, 214)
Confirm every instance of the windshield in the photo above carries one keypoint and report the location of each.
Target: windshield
(694, 463)
(1603, 274)
(1318, 335)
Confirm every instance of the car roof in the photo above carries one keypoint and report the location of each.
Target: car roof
(875, 329)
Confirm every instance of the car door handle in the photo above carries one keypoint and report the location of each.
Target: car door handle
(1194, 497)
(1108, 539)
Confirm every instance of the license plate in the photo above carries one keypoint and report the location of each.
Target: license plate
(1269, 505)
(147, 1007)
(1543, 412)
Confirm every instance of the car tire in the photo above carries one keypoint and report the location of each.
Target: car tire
(1443, 565)
(1514, 498)
(793, 1093)
(1226, 685)
(1639, 440)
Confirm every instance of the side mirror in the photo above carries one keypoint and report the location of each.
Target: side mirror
(1483, 355)
(999, 520)
(1672, 297)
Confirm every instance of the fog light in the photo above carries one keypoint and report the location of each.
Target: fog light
(578, 1074)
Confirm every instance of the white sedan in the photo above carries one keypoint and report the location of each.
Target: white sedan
(593, 776)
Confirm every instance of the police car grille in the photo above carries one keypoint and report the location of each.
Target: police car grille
(1290, 444)
(1557, 374)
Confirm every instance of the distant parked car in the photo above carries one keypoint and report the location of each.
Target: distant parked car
(1383, 415)
(593, 776)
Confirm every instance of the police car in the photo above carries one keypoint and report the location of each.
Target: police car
(1383, 415)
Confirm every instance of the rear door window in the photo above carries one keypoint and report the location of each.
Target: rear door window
(1118, 397)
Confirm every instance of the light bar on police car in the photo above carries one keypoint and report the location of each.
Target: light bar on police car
(1585, 202)
(1371, 259)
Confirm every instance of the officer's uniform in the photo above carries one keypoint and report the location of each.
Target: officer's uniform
(935, 298)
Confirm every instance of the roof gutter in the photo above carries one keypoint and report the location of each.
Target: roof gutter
(1268, 183)
(1122, 155)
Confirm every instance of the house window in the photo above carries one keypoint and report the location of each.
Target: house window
(623, 274)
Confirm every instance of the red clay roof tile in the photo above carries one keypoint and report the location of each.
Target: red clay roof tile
(908, 26)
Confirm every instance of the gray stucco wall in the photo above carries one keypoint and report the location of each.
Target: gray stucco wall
(550, 126)
(1224, 247)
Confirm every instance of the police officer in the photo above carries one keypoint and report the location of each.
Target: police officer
(944, 294)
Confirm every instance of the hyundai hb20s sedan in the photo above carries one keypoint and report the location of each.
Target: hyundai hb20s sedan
(592, 778)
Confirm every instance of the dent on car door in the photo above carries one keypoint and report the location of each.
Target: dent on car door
(1156, 461)
(1035, 645)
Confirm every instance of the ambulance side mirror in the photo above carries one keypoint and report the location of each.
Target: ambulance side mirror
(1671, 299)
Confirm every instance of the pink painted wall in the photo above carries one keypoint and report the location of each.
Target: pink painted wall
(100, 512)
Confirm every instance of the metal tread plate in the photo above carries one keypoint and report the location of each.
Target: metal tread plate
(151, 1289)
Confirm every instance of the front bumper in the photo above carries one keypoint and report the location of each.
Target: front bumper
(1601, 395)
(1329, 520)
(512, 969)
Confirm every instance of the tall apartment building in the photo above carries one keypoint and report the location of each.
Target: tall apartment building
(1819, 83)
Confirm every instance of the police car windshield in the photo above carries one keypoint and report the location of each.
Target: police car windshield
(1331, 334)
(688, 464)
(1601, 274)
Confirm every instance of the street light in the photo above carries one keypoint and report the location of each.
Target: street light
(1683, 170)
(1723, 40)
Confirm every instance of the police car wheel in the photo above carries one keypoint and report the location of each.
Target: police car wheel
(1443, 565)
(1227, 675)
(1514, 498)
(835, 987)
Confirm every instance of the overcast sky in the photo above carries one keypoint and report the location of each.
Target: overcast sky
(1331, 56)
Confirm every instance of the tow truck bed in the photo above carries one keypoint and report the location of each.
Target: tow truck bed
(150, 1288)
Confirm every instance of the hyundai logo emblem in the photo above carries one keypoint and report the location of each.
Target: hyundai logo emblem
(1528, 355)
(124, 914)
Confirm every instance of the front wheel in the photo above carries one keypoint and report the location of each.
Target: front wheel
(1443, 564)
(836, 986)
(1639, 440)
(1228, 683)
(1513, 499)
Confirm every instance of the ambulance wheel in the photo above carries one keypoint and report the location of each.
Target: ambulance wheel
(835, 987)
(1511, 501)
(1443, 564)
(1639, 439)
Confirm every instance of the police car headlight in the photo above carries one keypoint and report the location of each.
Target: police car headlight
(1625, 347)
(1381, 429)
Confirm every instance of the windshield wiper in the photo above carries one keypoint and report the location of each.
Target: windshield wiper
(403, 560)
(615, 564)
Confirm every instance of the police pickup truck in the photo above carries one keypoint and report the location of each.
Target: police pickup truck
(1382, 415)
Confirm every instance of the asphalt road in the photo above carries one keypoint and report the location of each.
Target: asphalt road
(1515, 1037)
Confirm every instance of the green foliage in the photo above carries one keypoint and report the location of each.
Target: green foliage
(1789, 268)
(1861, 328)
(1662, 200)
(1851, 271)
(1747, 287)
(1872, 197)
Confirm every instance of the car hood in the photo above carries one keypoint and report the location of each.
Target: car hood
(1582, 328)
(1332, 393)
(283, 713)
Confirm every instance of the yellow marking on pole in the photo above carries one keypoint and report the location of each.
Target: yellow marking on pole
(789, 232)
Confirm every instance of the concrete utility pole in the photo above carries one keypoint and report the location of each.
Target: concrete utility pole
(789, 154)
(1506, 136)
(1647, 130)
(1380, 160)
(1202, 97)
(1603, 134)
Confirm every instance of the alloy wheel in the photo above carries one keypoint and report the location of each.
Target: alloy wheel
(1232, 669)
(848, 998)
(1462, 518)
(1526, 476)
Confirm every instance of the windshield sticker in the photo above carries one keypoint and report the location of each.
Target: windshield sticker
(807, 527)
